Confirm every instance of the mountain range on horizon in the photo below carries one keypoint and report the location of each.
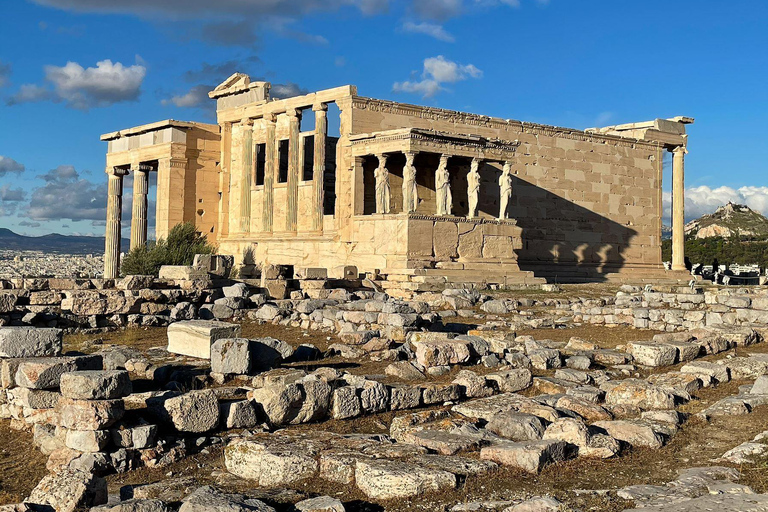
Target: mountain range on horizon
(53, 242)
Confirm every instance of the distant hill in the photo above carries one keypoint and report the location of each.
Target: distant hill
(54, 243)
(730, 220)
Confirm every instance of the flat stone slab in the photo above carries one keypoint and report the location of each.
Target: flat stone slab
(385, 479)
(96, 384)
(720, 503)
(194, 337)
(529, 456)
(46, 372)
(268, 465)
(29, 342)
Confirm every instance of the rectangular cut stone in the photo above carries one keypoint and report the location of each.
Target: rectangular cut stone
(194, 337)
(530, 456)
(45, 373)
(181, 272)
(29, 342)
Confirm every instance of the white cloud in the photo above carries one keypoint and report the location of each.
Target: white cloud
(197, 96)
(704, 200)
(9, 165)
(83, 88)
(429, 29)
(11, 195)
(437, 71)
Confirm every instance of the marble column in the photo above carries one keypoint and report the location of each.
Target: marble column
(678, 208)
(292, 213)
(114, 217)
(443, 197)
(224, 165)
(410, 188)
(245, 181)
(381, 175)
(505, 190)
(139, 205)
(473, 187)
(318, 165)
(269, 173)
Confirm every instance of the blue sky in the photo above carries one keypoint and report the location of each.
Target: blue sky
(71, 70)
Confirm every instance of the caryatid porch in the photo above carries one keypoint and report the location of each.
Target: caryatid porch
(452, 190)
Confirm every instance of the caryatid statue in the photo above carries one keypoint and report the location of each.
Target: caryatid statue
(473, 187)
(410, 189)
(443, 188)
(505, 187)
(382, 185)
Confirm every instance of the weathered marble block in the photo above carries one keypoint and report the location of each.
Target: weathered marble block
(194, 337)
(29, 342)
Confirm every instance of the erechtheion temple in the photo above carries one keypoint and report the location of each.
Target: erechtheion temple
(403, 189)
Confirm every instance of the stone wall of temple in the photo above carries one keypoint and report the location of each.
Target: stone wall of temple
(587, 202)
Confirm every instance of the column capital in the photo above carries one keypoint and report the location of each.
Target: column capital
(680, 149)
(247, 122)
(117, 172)
(270, 117)
(410, 153)
(141, 167)
(293, 113)
(320, 107)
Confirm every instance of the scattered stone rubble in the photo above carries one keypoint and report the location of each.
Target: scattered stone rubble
(514, 401)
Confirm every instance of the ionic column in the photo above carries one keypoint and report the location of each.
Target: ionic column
(245, 183)
(139, 206)
(269, 173)
(318, 164)
(294, 119)
(114, 217)
(678, 208)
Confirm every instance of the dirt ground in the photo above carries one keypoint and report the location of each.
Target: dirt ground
(696, 444)
(21, 465)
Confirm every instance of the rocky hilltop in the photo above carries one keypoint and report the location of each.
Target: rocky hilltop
(729, 220)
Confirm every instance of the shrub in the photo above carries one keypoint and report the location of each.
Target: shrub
(183, 242)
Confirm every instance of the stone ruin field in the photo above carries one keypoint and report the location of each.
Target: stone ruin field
(156, 396)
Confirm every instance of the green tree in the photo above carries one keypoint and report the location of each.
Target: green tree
(183, 242)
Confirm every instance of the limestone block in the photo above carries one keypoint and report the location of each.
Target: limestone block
(237, 290)
(96, 384)
(311, 273)
(181, 273)
(320, 504)
(135, 282)
(716, 371)
(384, 479)
(345, 403)
(445, 240)
(516, 426)
(498, 247)
(269, 465)
(276, 288)
(34, 398)
(194, 411)
(238, 414)
(7, 302)
(89, 414)
(46, 372)
(69, 490)
(194, 337)
(441, 352)
(444, 443)
(640, 393)
(632, 432)
(137, 436)
(652, 354)
(210, 499)
(279, 403)
(510, 381)
(29, 342)
(87, 440)
(530, 456)
(231, 356)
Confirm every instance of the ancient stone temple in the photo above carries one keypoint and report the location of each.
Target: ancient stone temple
(332, 178)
